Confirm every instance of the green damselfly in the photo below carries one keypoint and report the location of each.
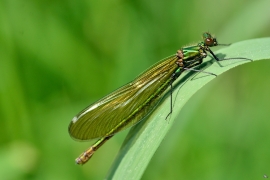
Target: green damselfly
(129, 104)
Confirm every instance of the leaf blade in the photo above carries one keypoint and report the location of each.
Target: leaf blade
(144, 138)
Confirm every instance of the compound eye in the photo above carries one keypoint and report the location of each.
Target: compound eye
(209, 42)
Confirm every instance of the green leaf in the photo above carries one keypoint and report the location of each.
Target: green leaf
(144, 138)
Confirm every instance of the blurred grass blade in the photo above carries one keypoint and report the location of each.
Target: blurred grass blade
(144, 138)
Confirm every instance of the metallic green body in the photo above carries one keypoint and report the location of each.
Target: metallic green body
(191, 52)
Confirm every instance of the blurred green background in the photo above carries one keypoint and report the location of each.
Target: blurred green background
(57, 57)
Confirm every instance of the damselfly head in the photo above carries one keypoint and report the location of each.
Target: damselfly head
(209, 40)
